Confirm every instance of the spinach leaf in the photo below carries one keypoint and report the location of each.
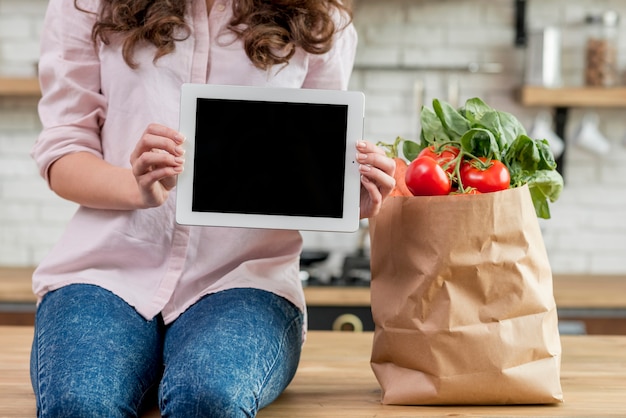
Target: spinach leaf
(475, 109)
(432, 128)
(527, 154)
(531, 162)
(410, 150)
(546, 161)
(544, 186)
(511, 127)
(491, 121)
(522, 156)
(454, 124)
(480, 142)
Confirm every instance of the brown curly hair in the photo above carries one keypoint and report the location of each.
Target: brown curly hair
(271, 30)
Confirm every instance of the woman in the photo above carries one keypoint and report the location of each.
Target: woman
(130, 303)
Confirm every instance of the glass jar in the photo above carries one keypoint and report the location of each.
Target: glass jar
(601, 61)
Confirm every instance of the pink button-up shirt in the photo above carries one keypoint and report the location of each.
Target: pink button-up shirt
(92, 101)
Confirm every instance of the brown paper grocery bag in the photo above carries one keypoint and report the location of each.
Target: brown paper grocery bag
(462, 301)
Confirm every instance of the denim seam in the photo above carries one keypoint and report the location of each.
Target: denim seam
(273, 367)
(38, 358)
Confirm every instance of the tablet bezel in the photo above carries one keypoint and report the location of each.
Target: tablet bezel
(349, 220)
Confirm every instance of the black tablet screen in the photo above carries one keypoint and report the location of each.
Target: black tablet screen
(276, 158)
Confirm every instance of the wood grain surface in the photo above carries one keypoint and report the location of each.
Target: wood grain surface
(335, 380)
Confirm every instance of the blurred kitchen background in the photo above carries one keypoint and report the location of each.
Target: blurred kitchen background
(410, 52)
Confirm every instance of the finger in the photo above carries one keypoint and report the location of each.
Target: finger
(163, 176)
(368, 147)
(374, 198)
(159, 137)
(166, 132)
(372, 189)
(381, 162)
(150, 142)
(382, 180)
(153, 160)
(168, 182)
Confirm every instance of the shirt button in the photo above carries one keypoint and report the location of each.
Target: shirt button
(221, 7)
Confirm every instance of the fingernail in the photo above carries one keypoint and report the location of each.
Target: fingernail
(361, 156)
(365, 168)
(180, 137)
(361, 144)
(180, 150)
(179, 160)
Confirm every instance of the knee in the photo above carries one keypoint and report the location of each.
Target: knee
(79, 405)
(214, 401)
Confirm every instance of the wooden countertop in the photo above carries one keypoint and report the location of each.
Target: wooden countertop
(598, 292)
(15, 284)
(570, 291)
(20, 86)
(335, 380)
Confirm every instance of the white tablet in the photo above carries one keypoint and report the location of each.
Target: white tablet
(277, 158)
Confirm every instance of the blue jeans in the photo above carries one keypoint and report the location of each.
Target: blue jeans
(229, 355)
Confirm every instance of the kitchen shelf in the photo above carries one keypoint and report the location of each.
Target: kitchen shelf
(573, 96)
(564, 98)
(28, 87)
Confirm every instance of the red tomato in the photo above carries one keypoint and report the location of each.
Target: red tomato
(486, 180)
(425, 177)
(444, 157)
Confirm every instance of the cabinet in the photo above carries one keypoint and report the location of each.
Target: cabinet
(339, 308)
(591, 304)
(596, 302)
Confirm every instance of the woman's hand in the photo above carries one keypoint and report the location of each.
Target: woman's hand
(156, 161)
(377, 180)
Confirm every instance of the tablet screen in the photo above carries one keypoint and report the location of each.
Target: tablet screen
(273, 158)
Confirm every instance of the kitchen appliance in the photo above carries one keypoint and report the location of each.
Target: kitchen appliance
(543, 58)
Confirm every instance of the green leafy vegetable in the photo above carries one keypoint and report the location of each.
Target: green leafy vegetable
(410, 150)
(481, 143)
(454, 124)
(531, 162)
(432, 128)
(478, 131)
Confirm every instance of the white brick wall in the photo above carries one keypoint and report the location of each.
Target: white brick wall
(587, 233)
(20, 26)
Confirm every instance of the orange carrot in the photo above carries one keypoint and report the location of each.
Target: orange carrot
(400, 189)
(401, 165)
